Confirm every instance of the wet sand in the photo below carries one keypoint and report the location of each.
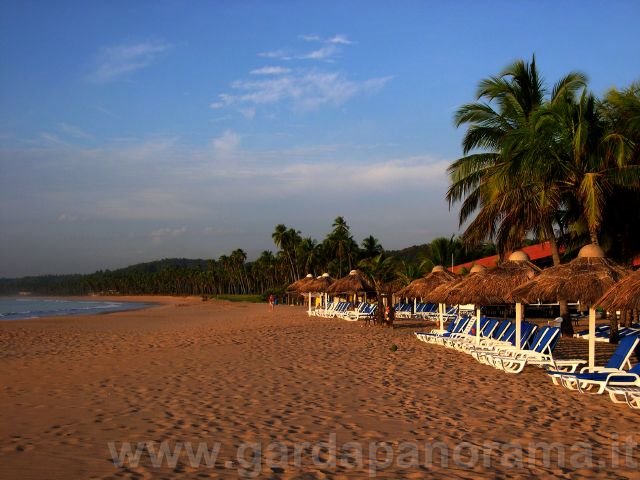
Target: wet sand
(188, 374)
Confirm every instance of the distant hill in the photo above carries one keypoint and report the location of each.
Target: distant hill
(160, 265)
(413, 254)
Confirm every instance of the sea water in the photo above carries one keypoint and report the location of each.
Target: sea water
(26, 308)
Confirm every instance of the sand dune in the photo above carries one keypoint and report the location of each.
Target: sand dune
(240, 378)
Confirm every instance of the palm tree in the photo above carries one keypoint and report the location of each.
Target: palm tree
(445, 250)
(371, 247)
(507, 205)
(287, 240)
(341, 243)
(408, 272)
(308, 255)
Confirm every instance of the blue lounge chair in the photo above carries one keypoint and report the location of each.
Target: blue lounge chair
(596, 383)
(527, 330)
(627, 392)
(540, 354)
(450, 328)
(617, 363)
(487, 326)
(453, 328)
(507, 337)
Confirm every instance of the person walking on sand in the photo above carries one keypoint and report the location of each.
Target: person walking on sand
(271, 300)
(275, 301)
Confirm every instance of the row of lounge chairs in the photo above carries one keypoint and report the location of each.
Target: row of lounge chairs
(424, 311)
(346, 311)
(332, 309)
(496, 345)
(497, 348)
(603, 332)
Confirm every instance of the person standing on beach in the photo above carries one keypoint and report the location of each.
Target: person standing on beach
(275, 301)
(271, 300)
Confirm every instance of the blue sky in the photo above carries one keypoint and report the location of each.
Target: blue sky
(133, 131)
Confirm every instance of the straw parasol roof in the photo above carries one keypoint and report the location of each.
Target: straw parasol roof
(441, 294)
(624, 295)
(318, 285)
(390, 288)
(423, 286)
(355, 282)
(494, 286)
(298, 285)
(585, 279)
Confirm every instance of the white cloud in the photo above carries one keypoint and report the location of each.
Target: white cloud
(303, 90)
(52, 138)
(270, 71)
(227, 142)
(115, 62)
(340, 39)
(322, 53)
(74, 131)
(168, 232)
(276, 54)
(248, 112)
(310, 38)
(298, 88)
(158, 235)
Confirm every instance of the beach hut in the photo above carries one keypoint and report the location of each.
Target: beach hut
(585, 280)
(355, 283)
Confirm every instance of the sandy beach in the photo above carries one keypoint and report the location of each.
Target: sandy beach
(236, 379)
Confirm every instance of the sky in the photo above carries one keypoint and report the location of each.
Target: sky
(135, 131)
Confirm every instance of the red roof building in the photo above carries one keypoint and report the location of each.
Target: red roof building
(540, 251)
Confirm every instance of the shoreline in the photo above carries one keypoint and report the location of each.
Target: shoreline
(125, 304)
(142, 302)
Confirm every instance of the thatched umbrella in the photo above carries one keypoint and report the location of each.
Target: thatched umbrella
(441, 294)
(318, 285)
(585, 279)
(299, 285)
(423, 286)
(296, 286)
(624, 295)
(354, 283)
(494, 287)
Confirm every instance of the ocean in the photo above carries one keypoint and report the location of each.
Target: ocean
(26, 308)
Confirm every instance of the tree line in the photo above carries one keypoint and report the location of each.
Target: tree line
(232, 274)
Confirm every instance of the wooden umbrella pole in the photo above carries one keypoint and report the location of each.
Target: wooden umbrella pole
(518, 324)
(592, 338)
